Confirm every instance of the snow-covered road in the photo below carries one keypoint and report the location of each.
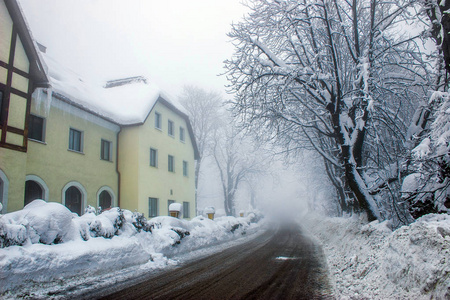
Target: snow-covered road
(283, 264)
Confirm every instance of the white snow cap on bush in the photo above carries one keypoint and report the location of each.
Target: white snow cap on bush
(44, 222)
(175, 207)
(209, 210)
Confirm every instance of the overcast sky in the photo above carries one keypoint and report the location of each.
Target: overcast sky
(172, 42)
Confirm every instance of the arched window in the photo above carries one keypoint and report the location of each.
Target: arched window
(106, 197)
(74, 200)
(4, 184)
(33, 191)
(105, 200)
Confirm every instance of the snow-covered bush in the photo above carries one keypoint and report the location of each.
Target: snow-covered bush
(37, 222)
(108, 223)
(140, 222)
(52, 223)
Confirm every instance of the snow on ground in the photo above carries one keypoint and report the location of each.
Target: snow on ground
(369, 261)
(45, 250)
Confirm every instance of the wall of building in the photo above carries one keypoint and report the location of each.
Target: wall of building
(129, 168)
(12, 162)
(159, 182)
(57, 166)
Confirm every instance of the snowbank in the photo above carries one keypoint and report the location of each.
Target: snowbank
(46, 243)
(369, 261)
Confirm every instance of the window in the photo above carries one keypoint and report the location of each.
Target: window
(157, 120)
(153, 157)
(75, 140)
(105, 150)
(185, 168)
(152, 207)
(105, 200)
(182, 138)
(33, 191)
(73, 200)
(168, 204)
(36, 128)
(171, 166)
(170, 129)
(186, 210)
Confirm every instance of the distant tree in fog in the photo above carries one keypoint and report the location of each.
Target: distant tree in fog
(203, 110)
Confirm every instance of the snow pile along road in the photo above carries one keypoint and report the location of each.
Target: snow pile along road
(369, 261)
(46, 244)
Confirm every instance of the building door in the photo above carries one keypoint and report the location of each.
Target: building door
(104, 200)
(33, 191)
(74, 200)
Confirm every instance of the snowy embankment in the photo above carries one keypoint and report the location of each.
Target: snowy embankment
(45, 244)
(369, 261)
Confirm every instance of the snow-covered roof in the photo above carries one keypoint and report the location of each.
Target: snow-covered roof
(125, 101)
(124, 104)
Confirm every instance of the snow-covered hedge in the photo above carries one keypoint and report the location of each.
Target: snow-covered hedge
(45, 242)
(52, 223)
(369, 261)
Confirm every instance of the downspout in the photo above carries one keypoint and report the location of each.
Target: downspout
(117, 168)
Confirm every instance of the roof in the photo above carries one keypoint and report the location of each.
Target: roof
(125, 102)
(37, 68)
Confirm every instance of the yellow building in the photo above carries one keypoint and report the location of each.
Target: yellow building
(21, 72)
(81, 143)
(156, 162)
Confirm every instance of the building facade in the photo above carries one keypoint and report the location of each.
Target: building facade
(21, 72)
(156, 162)
(88, 148)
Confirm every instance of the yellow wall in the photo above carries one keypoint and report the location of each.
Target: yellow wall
(13, 165)
(6, 24)
(129, 167)
(57, 166)
(159, 182)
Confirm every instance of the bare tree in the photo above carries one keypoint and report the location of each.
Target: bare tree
(203, 108)
(237, 159)
(335, 76)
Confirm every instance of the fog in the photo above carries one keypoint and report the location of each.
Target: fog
(172, 43)
(289, 189)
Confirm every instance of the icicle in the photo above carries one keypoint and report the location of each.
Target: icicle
(48, 102)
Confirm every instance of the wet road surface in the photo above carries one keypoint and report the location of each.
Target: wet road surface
(276, 265)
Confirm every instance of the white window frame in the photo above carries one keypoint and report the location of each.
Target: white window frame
(186, 212)
(182, 134)
(185, 168)
(158, 121)
(109, 150)
(171, 162)
(157, 207)
(156, 157)
(44, 126)
(81, 140)
(171, 128)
